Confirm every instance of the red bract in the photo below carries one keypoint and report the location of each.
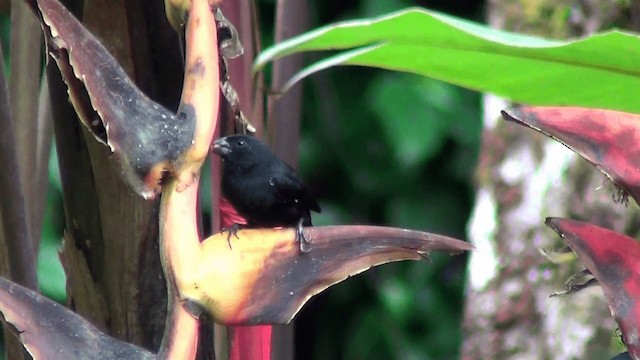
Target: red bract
(613, 259)
(608, 139)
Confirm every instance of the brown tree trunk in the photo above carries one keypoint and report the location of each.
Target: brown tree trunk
(522, 178)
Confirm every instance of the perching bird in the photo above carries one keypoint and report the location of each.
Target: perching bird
(262, 188)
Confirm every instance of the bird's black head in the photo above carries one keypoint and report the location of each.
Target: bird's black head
(240, 149)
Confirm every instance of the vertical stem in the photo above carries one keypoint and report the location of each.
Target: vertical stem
(24, 84)
(179, 235)
(284, 117)
(17, 236)
(285, 112)
(44, 138)
(243, 15)
(179, 246)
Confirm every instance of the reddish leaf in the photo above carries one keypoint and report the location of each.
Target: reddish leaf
(613, 259)
(50, 331)
(146, 139)
(608, 139)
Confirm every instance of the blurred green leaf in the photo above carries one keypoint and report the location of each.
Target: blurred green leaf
(51, 276)
(413, 127)
(396, 298)
(54, 170)
(436, 211)
(377, 7)
(368, 344)
(50, 272)
(523, 68)
(419, 114)
(331, 215)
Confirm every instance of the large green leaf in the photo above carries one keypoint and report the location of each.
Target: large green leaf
(602, 70)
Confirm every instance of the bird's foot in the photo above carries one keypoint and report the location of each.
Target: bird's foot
(233, 231)
(301, 238)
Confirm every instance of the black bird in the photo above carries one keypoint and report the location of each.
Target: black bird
(262, 188)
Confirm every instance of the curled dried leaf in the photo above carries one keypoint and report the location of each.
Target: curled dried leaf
(48, 330)
(147, 139)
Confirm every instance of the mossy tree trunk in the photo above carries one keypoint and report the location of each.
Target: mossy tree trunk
(522, 178)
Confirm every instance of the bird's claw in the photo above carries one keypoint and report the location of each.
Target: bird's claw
(301, 238)
(233, 231)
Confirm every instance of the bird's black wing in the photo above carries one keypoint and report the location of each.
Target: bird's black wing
(290, 188)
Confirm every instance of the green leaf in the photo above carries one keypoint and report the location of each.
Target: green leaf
(598, 71)
(51, 276)
(411, 122)
(418, 115)
(50, 271)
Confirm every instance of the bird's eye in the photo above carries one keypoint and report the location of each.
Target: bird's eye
(240, 143)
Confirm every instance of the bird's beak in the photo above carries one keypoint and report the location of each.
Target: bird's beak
(221, 147)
